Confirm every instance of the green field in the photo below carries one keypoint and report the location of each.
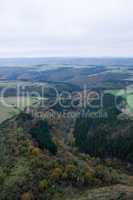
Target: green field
(15, 84)
(12, 84)
(127, 94)
(10, 106)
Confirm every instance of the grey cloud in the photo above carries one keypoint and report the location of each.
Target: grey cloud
(66, 28)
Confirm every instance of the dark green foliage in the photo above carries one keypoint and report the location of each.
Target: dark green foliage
(103, 142)
(109, 137)
(24, 116)
(40, 132)
(81, 134)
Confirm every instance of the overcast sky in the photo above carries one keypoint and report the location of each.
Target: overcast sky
(66, 28)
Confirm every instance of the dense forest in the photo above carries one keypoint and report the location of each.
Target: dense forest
(35, 164)
(106, 137)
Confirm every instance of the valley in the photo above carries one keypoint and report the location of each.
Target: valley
(53, 145)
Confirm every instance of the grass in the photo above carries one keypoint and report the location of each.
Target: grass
(11, 84)
(10, 106)
(117, 192)
(14, 84)
(15, 104)
(127, 94)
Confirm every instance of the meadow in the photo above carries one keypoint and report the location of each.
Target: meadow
(10, 106)
(127, 95)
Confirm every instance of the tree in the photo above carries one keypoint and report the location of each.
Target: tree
(40, 132)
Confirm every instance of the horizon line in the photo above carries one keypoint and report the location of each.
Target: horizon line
(88, 57)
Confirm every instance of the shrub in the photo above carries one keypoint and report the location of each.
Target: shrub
(88, 177)
(35, 151)
(99, 171)
(26, 196)
(107, 175)
(56, 174)
(43, 185)
(24, 116)
(71, 173)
